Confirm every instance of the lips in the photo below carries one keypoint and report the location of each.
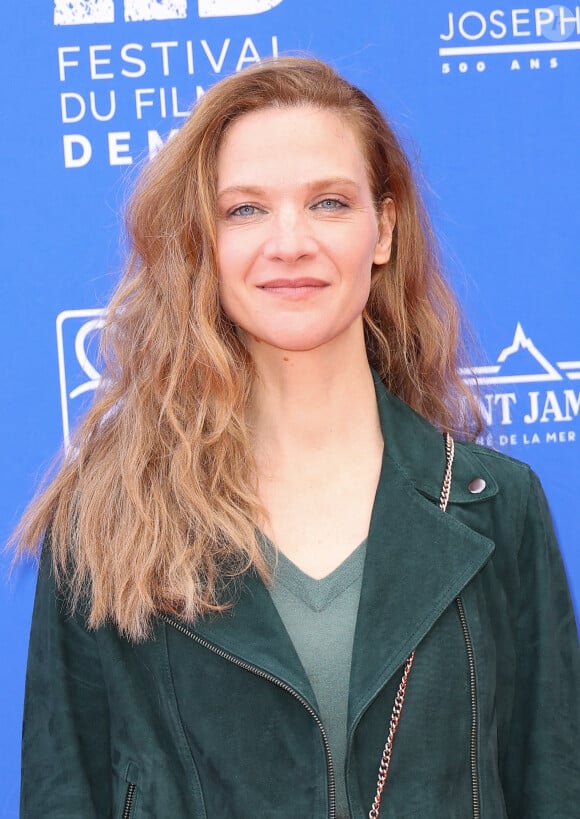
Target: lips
(298, 289)
(286, 284)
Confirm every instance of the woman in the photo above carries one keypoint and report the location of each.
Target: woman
(247, 573)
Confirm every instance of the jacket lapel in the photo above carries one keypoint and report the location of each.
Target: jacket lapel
(254, 632)
(418, 558)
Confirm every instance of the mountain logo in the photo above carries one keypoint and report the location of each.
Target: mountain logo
(521, 362)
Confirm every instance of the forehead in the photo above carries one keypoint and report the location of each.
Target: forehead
(289, 143)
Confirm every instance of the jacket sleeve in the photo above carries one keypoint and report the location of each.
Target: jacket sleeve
(541, 770)
(65, 740)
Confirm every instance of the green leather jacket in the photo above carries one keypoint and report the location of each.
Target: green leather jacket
(217, 718)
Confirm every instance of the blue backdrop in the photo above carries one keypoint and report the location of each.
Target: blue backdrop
(486, 101)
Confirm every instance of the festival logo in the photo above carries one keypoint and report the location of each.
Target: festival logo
(532, 38)
(77, 12)
(121, 101)
(525, 398)
(77, 345)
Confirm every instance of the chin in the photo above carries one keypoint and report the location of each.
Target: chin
(293, 343)
(304, 339)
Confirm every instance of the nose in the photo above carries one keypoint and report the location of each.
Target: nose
(290, 236)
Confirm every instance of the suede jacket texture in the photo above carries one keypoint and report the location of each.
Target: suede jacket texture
(217, 720)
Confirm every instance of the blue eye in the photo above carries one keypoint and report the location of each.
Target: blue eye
(244, 210)
(330, 204)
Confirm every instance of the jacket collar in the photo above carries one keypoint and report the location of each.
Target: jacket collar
(417, 450)
(418, 560)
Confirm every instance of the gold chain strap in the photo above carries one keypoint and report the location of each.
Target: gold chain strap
(400, 698)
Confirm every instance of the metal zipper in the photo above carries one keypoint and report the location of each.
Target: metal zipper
(474, 717)
(129, 801)
(284, 686)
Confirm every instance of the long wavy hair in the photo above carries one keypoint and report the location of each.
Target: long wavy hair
(155, 506)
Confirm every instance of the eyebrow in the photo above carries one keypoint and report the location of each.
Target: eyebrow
(317, 184)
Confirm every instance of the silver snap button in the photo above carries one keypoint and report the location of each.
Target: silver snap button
(476, 486)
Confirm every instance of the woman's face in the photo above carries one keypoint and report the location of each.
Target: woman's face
(297, 229)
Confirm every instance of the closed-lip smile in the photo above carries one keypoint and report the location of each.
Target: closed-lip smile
(288, 284)
(294, 289)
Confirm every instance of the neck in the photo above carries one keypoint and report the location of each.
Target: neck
(312, 401)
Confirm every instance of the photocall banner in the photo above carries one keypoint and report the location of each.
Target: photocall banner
(485, 99)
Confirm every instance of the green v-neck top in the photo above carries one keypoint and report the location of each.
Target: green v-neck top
(320, 617)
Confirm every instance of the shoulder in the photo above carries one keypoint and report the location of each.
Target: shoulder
(518, 516)
(506, 471)
(508, 480)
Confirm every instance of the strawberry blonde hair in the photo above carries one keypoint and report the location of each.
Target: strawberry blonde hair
(155, 507)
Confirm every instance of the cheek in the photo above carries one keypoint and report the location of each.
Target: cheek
(359, 255)
(229, 266)
(364, 291)
(226, 298)
(235, 254)
(223, 256)
(225, 277)
(232, 295)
